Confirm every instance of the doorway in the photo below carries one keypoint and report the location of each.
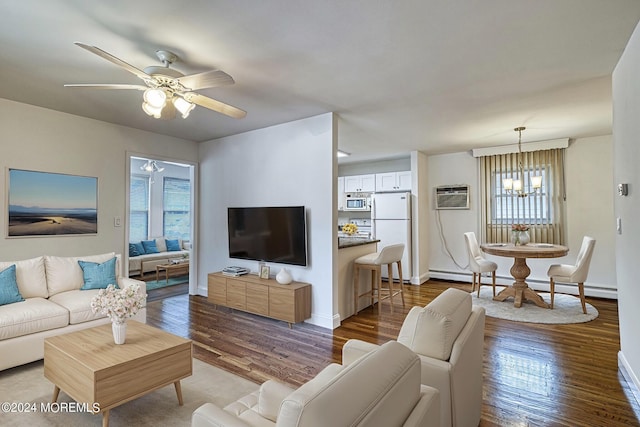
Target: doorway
(160, 224)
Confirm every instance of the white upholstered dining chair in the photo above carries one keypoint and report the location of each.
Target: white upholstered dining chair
(478, 264)
(566, 273)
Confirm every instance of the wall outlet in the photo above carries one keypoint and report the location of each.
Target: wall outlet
(117, 222)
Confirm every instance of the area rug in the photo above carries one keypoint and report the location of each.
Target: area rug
(566, 308)
(162, 283)
(27, 385)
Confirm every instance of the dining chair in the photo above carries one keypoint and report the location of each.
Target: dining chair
(565, 273)
(478, 264)
(374, 261)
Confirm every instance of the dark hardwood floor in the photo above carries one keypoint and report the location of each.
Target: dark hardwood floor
(534, 375)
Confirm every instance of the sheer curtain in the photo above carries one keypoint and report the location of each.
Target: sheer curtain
(543, 211)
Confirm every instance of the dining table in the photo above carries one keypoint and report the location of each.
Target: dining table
(520, 290)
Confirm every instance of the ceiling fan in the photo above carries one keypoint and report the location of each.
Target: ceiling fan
(167, 90)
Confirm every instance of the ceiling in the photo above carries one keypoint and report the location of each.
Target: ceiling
(433, 75)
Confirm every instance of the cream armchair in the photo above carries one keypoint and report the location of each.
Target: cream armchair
(380, 389)
(448, 336)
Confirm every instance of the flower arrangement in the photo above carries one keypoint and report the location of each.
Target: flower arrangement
(350, 228)
(118, 304)
(519, 227)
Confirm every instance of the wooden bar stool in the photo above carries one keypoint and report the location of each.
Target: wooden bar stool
(374, 262)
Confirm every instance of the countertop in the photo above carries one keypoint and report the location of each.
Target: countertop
(348, 242)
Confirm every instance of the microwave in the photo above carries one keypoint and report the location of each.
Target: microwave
(356, 203)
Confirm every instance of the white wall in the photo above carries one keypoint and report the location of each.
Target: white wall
(35, 138)
(589, 212)
(626, 128)
(420, 210)
(288, 164)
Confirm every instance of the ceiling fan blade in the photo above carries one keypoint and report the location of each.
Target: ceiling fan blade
(207, 79)
(107, 86)
(119, 62)
(214, 105)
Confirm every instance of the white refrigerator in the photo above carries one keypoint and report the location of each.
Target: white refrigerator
(391, 219)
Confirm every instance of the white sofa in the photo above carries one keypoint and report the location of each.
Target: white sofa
(53, 305)
(145, 263)
(380, 389)
(448, 336)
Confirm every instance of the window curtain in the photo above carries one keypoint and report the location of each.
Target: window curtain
(543, 211)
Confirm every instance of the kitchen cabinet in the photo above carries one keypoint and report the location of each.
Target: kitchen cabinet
(360, 183)
(393, 181)
(340, 193)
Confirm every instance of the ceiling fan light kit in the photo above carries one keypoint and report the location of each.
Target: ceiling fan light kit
(183, 106)
(168, 90)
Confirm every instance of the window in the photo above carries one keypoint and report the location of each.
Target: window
(508, 208)
(139, 208)
(542, 210)
(177, 205)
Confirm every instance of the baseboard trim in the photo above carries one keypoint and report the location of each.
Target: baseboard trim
(323, 321)
(420, 279)
(202, 291)
(629, 376)
(590, 289)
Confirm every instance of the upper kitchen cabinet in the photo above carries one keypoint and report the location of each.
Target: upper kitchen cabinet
(393, 181)
(360, 183)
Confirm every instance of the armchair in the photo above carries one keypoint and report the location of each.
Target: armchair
(380, 389)
(448, 337)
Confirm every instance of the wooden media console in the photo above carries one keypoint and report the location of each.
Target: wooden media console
(290, 303)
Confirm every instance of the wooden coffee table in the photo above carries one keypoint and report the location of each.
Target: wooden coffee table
(180, 267)
(90, 368)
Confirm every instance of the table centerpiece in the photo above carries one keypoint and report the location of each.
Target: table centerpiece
(118, 304)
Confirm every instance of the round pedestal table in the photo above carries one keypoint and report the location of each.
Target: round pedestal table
(519, 290)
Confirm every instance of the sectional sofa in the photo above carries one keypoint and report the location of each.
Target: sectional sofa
(144, 256)
(53, 304)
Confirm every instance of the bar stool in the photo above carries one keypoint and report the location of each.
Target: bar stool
(373, 262)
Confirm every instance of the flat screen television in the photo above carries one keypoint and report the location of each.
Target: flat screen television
(270, 234)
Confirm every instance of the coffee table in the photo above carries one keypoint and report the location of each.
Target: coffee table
(180, 267)
(90, 368)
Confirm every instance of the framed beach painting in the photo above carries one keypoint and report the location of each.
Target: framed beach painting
(51, 204)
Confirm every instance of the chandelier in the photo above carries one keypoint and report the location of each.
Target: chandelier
(516, 186)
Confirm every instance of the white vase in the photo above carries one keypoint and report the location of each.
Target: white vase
(119, 332)
(284, 277)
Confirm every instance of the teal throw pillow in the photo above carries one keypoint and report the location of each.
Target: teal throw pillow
(98, 276)
(136, 249)
(139, 248)
(150, 247)
(173, 245)
(9, 292)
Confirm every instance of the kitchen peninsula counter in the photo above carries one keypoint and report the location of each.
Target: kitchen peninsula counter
(351, 248)
(349, 242)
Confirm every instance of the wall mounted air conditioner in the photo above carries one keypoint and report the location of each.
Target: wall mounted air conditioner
(452, 196)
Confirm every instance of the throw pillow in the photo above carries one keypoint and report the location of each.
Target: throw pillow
(150, 247)
(136, 249)
(161, 244)
(173, 245)
(9, 292)
(98, 276)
